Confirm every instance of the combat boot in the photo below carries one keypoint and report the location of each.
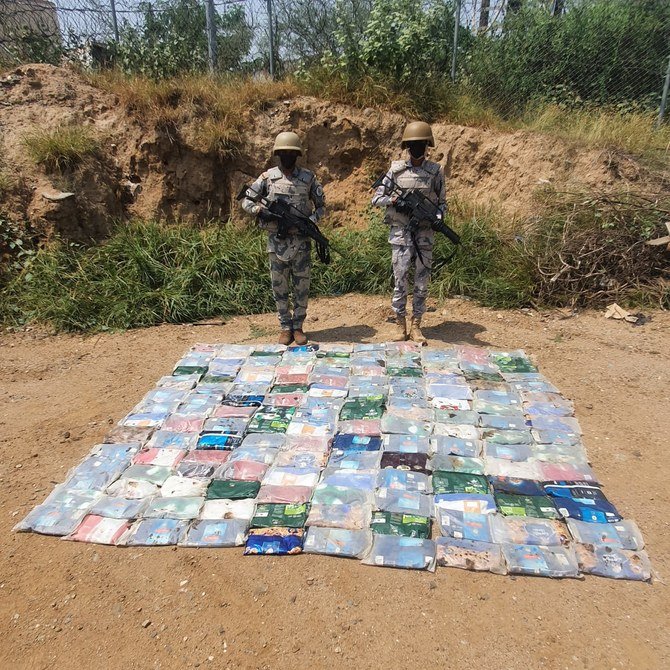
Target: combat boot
(415, 333)
(299, 336)
(399, 329)
(285, 337)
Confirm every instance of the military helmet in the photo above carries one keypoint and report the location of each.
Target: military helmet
(288, 141)
(417, 131)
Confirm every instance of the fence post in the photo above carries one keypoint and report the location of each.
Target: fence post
(271, 34)
(457, 21)
(664, 97)
(115, 23)
(210, 17)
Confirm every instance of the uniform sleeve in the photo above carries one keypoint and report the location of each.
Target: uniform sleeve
(441, 191)
(318, 198)
(259, 187)
(382, 196)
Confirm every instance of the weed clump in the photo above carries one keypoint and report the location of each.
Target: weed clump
(62, 148)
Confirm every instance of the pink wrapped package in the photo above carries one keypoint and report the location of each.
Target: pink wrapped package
(184, 423)
(307, 443)
(567, 472)
(246, 471)
(99, 530)
(291, 378)
(269, 493)
(284, 399)
(230, 412)
(361, 427)
(213, 456)
(167, 457)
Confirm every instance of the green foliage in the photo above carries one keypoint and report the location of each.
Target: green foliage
(61, 149)
(603, 51)
(172, 40)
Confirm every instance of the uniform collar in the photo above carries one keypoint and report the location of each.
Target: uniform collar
(411, 165)
(296, 171)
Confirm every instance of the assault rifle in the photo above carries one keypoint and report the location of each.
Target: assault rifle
(419, 209)
(289, 216)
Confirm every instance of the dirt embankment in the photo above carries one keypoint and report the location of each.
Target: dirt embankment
(151, 172)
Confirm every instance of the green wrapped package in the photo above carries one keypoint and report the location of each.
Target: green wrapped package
(540, 507)
(271, 420)
(268, 515)
(407, 525)
(361, 408)
(217, 379)
(404, 372)
(459, 482)
(514, 364)
(232, 490)
(289, 388)
(190, 370)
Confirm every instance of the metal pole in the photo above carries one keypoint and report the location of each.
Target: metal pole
(457, 21)
(210, 17)
(115, 24)
(664, 97)
(271, 33)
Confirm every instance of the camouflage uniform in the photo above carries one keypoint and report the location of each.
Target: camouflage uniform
(290, 257)
(429, 179)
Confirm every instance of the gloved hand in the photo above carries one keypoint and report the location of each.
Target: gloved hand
(401, 206)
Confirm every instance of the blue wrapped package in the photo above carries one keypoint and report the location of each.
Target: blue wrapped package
(527, 559)
(524, 487)
(347, 442)
(464, 525)
(394, 551)
(582, 501)
(338, 542)
(218, 441)
(215, 533)
(156, 532)
(276, 541)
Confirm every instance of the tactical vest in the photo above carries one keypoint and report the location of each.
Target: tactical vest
(294, 189)
(420, 178)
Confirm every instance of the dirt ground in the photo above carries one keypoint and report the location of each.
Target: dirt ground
(70, 605)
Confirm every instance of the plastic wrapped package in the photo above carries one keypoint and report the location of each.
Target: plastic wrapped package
(411, 409)
(177, 486)
(295, 369)
(566, 472)
(561, 453)
(330, 381)
(51, 520)
(456, 391)
(168, 458)
(371, 392)
(535, 383)
(196, 470)
(78, 499)
(404, 480)
(464, 417)
(508, 452)
(583, 501)
(404, 502)
(565, 424)
(303, 429)
(330, 494)
(354, 460)
(314, 444)
(268, 440)
(268, 515)
(504, 397)
(353, 516)
(269, 493)
(189, 370)
(511, 421)
(524, 487)
(226, 425)
(345, 442)
(464, 525)
(242, 470)
(614, 563)
(556, 437)
(284, 399)
(361, 427)
(167, 439)
(445, 445)
(283, 378)
(231, 490)
(232, 412)
(181, 507)
(155, 532)
(474, 466)
(501, 467)
(367, 370)
(217, 441)
(271, 420)
(128, 434)
(526, 530)
(134, 489)
(281, 476)
(619, 535)
(392, 551)
(180, 382)
(405, 461)
(202, 456)
(99, 530)
(499, 436)
(276, 541)
(215, 384)
(405, 525)
(114, 507)
(200, 404)
(539, 507)
(450, 404)
(542, 396)
(299, 458)
(94, 474)
(533, 409)
(338, 542)
(459, 482)
(533, 559)
(471, 503)
(406, 444)
(161, 396)
(144, 419)
(513, 361)
(254, 374)
(156, 474)
(469, 555)
(184, 423)
(463, 432)
(225, 508)
(409, 392)
(355, 479)
(215, 533)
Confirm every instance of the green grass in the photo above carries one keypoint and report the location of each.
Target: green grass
(62, 148)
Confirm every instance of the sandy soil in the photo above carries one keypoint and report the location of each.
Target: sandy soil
(67, 605)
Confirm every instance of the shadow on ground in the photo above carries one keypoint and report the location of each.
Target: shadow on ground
(360, 333)
(457, 332)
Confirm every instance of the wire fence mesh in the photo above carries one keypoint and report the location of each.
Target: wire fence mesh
(508, 52)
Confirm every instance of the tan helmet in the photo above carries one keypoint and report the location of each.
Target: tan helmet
(417, 131)
(288, 141)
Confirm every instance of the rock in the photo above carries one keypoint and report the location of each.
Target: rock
(57, 197)
(146, 623)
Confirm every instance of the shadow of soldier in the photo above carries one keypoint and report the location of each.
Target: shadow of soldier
(456, 332)
(358, 333)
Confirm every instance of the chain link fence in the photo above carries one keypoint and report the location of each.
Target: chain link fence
(508, 52)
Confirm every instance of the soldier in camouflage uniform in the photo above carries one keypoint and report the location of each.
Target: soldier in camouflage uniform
(290, 256)
(421, 174)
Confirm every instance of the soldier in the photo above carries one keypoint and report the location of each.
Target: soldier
(421, 174)
(290, 256)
